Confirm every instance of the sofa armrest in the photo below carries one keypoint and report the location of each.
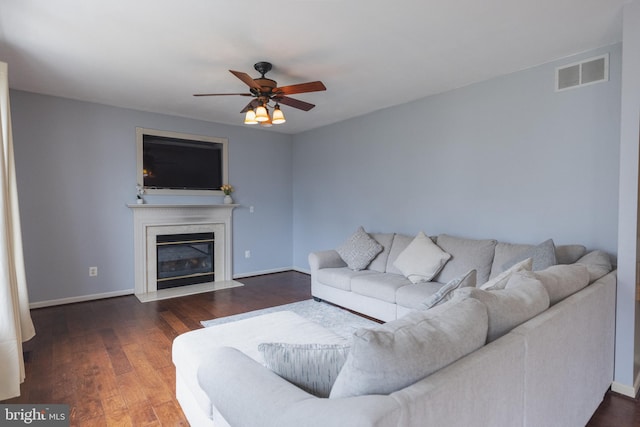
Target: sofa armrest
(325, 259)
(248, 394)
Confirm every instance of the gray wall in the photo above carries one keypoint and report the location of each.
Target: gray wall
(76, 172)
(507, 158)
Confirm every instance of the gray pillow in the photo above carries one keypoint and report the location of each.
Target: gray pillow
(312, 367)
(598, 264)
(396, 354)
(446, 291)
(524, 298)
(544, 255)
(359, 250)
(561, 280)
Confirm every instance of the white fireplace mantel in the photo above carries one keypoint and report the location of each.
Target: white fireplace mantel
(150, 219)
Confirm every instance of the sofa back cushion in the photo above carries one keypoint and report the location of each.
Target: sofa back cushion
(509, 253)
(560, 281)
(598, 264)
(399, 244)
(379, 263)
(466, 254)
(568, 254)
(396, 354)
(523, 298)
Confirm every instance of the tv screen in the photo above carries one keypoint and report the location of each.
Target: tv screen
(174, 163)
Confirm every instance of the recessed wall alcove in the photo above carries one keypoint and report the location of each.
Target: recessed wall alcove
(153, 220)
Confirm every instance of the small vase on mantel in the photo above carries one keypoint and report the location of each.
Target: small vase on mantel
(228, 200)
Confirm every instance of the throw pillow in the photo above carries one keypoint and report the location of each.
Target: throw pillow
(598, 264)
(544, 255)
(394, 355)
(523, 298)
(359, 250)
(312, 367)
(446, 291)
(500, 281)
(421, 260)
(561, 280)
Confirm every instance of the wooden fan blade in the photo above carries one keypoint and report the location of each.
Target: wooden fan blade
(301, 88)
(246, 78)
(221, 94)
(295, 103)
(252, 104)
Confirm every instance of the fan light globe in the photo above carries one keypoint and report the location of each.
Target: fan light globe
(250, 117)
(278, 116)
(261, 114)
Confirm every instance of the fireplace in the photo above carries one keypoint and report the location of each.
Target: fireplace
(181, 249)
(184, 259)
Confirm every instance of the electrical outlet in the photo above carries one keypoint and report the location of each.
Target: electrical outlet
(247, 254)
(251, 210)
(93, 271)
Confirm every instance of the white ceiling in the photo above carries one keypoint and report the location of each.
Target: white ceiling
(152, 55)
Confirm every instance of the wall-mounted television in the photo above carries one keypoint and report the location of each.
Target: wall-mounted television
(179, 163)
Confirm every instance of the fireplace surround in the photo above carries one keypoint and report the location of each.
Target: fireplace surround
(155, 221)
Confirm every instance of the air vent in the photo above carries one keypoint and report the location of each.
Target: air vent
(589, 71)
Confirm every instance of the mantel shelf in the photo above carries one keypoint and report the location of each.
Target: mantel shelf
(165, 206)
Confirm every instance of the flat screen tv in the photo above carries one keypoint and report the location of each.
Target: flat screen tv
(178, 163)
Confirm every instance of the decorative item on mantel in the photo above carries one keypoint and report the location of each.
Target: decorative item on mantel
(140, 192)
(227, 189)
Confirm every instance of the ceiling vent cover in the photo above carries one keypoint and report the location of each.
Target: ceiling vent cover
(589, 71)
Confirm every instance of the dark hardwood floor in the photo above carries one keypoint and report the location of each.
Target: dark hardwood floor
(110, 359)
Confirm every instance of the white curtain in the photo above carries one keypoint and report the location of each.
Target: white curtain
(15, 320)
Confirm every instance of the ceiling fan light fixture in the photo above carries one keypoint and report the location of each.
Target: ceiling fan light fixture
(250, 117)
(278, 116)
(261, 114)
(267, 123)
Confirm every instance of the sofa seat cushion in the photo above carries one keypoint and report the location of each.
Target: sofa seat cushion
(413, 295)
(382, 286)
(341, 278)
(193, 348)
(394, 355)
(523, 298)
(466, 254)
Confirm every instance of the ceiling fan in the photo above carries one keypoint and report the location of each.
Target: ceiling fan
(264, 91)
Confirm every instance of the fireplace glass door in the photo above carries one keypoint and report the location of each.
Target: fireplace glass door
(184, 259)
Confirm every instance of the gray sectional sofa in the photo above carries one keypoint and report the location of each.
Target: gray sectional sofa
(381, 291)
(534, 350)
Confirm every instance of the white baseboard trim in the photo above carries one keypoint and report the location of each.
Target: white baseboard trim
(259, 273)
(625, 389)
(70, 300)
(302, 270)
